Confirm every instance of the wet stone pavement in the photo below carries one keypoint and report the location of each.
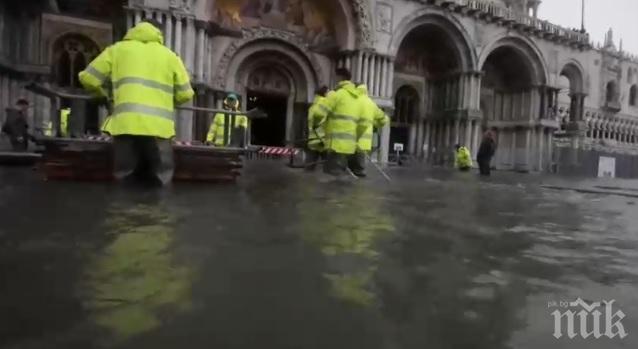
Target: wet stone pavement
(286, 260)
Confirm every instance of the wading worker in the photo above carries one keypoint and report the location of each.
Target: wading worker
(16, 125)
(486, 151)
(316, 132)
(372, 117)
(236, 127)
(343, 110)
(147, 80)
(463, 158)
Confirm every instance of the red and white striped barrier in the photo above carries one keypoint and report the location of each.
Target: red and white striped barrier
(98, 138)
(278, 151)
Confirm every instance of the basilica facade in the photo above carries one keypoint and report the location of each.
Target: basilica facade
(445, 70)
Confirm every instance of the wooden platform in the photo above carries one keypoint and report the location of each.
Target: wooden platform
(92, 160)
(10, 158)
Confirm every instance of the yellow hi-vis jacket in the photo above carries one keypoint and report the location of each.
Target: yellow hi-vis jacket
(64, 124)
(217, 128)
(342, 109)
(463, 158)
(373, 117)
(316, 132)
(147, 80)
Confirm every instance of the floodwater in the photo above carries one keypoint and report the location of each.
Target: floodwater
(286, 260)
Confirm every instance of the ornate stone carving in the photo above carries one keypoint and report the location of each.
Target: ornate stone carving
(365, 35)
(180, 5)
(258, 33)
(384, 18)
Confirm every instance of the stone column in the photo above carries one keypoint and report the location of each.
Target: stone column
(550, 149)
(390, 91)
(513, 148)
(373, 74)
(207, 59)
(359, 69)
(468, 135)
(138, 17)
(457, 131)
(365, 70)
(377, 88)
(476, 129)
(446, 141)
(169, 31)
(426, 139)
(178, 36)
(528, 150)
(199, 71)
(384, 78)
(189, 50)
(385, 144)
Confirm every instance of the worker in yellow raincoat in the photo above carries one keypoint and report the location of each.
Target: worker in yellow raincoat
(316, 132)
(228, 130)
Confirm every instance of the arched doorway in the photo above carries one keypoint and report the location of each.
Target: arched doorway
(403, 128)
(280, 79)
(269, 90)
(434, 57)
(71, 53)
(514, 79)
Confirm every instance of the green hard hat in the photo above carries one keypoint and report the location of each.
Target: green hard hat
(232, 96)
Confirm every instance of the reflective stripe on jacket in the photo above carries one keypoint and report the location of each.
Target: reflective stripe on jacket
(147, 80)
(217, 129)
(316, 132)
(342, 109)
(373, 117)
(463, 158)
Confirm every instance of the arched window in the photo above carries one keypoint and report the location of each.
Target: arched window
(406, 106)
(71, 54)
(611, 94)
(633, 95)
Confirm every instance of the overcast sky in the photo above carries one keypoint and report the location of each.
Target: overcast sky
(600, 15)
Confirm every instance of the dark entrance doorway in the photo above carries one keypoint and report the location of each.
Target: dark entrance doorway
(270, 131)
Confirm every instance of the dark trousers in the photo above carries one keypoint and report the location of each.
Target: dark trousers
(484, 166)
(19, 143)
(336, 164)
(357, 163)
(142, 158)
(312, 158)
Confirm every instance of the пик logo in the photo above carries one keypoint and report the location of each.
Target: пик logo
(588, 314)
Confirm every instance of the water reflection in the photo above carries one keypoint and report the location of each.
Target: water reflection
(135, 279)
(346, 224)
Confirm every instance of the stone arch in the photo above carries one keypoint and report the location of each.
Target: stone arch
(526, 49)
(450, 25)
(258, 40)
(303, 72)
(574, 72)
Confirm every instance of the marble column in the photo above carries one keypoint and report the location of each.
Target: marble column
(390, 92)
(199, 71)
(189, 50)
(446, 141)
(365, 70)
(513, 148)
(373, 74)
(457, 131)
(207, 59)
(138, 17)
(377, 88)
(384, 79)
(476, 129)
(130, 18)
(468, 135)
(426, 140)
(528, 150)
(358, 75)
(168, 41)
(385, 144)
(178, 36)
